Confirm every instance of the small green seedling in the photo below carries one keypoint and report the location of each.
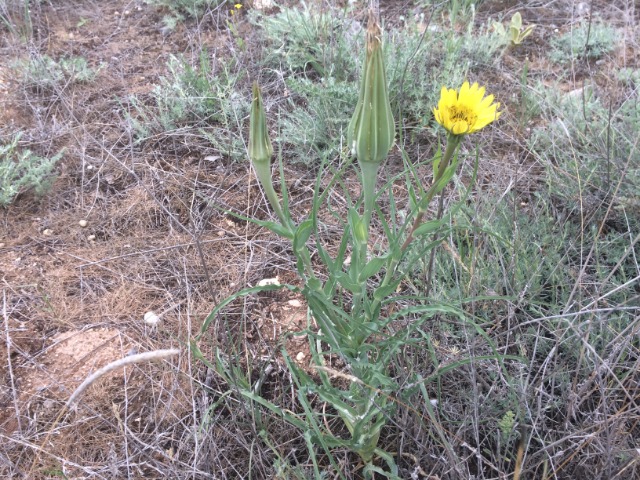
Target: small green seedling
(515, 35)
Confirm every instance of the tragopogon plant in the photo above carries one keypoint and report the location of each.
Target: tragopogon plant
(515, 35)
(353, 314)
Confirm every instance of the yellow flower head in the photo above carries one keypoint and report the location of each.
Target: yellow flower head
(466, 111)
(238, 6)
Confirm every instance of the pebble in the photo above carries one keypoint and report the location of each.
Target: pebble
(295, 303)
(150, 318)
(269, 281)
(48, 232)
(83, 223)
(91, 238)
(300, 356)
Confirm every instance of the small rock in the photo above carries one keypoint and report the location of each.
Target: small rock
(262, 4)
(127, 12)
(91, 238)
(582, 8)
(269, 281)
(83, 223)
(295, 303)
(150, 318)
(577, 93)
(47, 232)
(300, 356)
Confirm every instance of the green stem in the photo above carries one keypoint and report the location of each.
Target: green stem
(369, 177)
(452, 143)
(263, 172)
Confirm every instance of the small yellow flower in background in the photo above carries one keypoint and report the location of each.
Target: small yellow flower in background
(466, 111)
(237, 6)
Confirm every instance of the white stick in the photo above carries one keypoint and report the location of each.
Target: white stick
(123, 362)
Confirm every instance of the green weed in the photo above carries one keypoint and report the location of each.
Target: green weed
(588, 40)
(194, 98)
(588, 148)
(21, 170)
(179, 10)
(43, 73)
(15, 17)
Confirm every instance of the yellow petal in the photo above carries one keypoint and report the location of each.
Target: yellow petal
(486, 102)
(479, 94)
(460, 127)
(464, 92)
(481, 123)
(436, 115)
(448, 97)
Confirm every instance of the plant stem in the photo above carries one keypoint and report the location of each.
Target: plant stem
(263, 172)
(452, 143)
(369, 177)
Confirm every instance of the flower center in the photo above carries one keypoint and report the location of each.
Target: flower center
(462, 114)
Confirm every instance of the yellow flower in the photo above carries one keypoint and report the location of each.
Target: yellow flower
(237, 6)
(465, 111)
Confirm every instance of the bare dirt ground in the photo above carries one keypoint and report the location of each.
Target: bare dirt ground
(74, 295)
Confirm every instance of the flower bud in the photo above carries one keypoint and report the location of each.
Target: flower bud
(260, 148)
(371, 131)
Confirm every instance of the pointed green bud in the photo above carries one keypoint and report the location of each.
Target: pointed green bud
(260, 148)
(260, 153)
(371, 132)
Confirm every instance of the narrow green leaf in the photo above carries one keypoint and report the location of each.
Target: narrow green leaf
(345, 282)
(231, 298)
(372, 268)
(384, 291)
(429, 227)
(302, 234)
